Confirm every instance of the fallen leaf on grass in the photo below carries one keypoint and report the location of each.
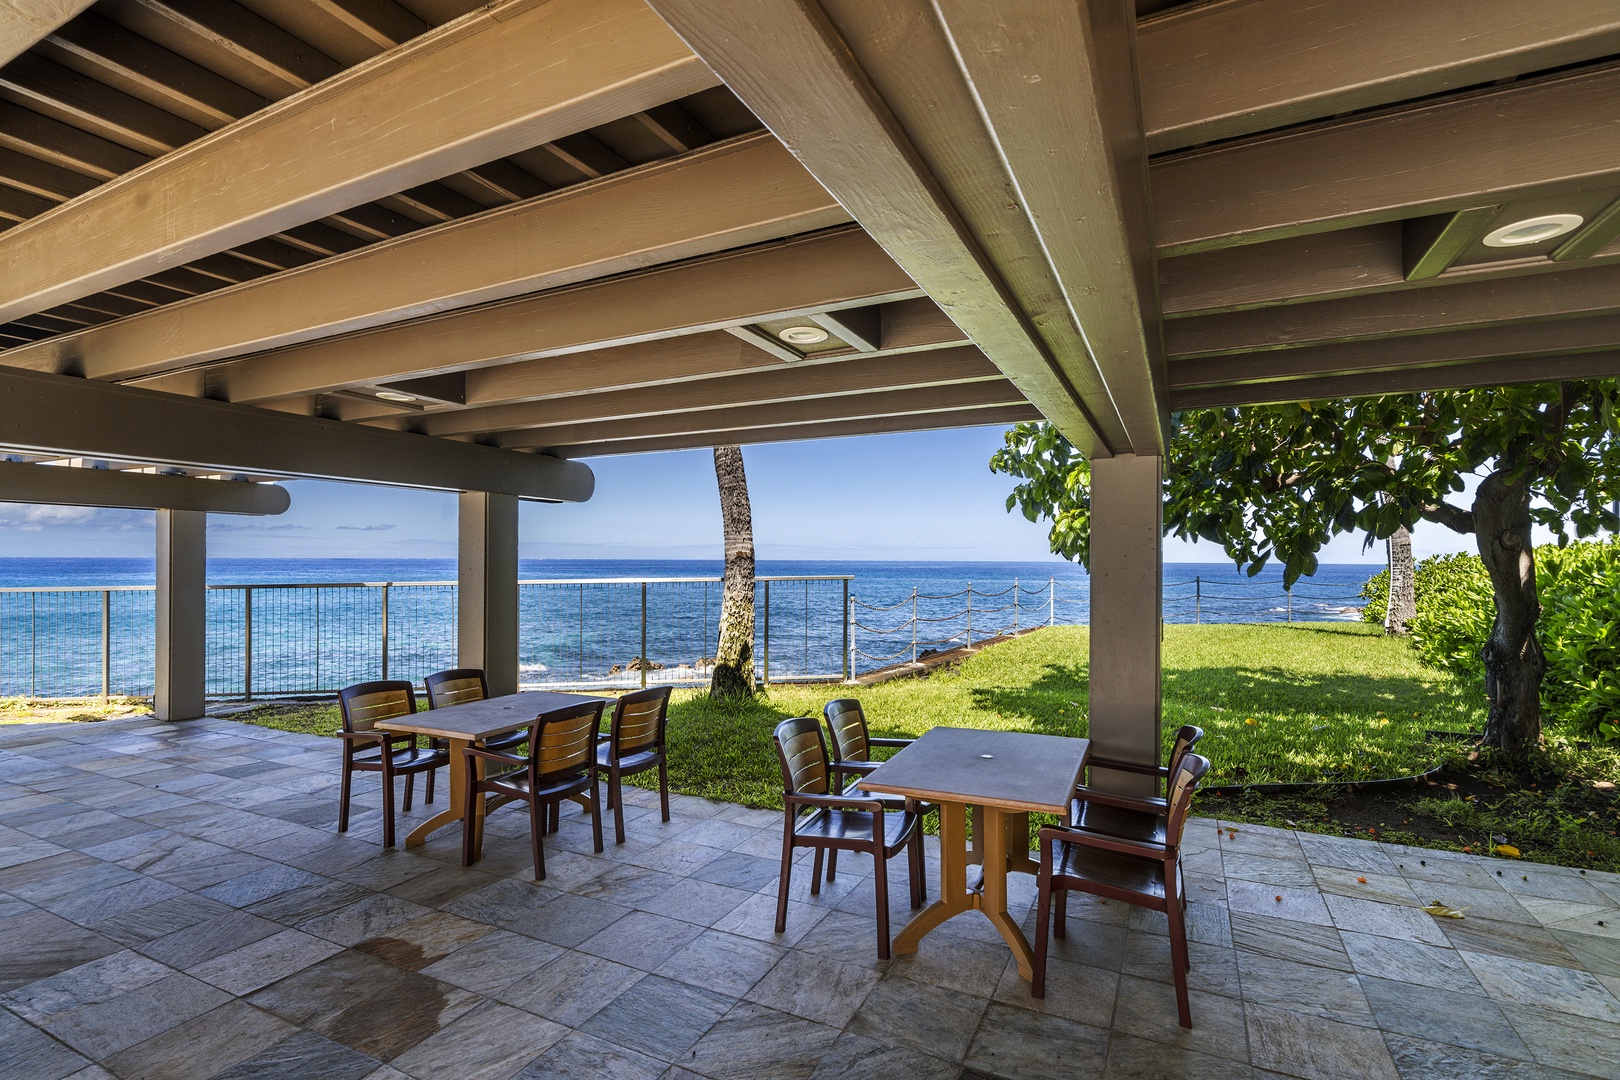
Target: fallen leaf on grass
(1441, 911)
(1508, 850)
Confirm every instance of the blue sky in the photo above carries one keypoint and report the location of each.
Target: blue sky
(926, 495)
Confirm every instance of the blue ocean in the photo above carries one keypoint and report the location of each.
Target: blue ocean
(75, 627)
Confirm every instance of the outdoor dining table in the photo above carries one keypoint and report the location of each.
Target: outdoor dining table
(1002, 776)
(470, 723)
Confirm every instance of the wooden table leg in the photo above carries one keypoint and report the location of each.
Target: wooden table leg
(458, 793)
(994, 901)
(954, 897)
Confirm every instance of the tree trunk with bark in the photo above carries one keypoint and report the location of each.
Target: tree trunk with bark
(1402, 605)
(734, 656)
(1514, 664)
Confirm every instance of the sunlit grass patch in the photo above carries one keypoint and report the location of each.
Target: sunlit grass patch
(25, 710)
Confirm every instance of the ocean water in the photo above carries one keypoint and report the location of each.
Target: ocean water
(70, 626)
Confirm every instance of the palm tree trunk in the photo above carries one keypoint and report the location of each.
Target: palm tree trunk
(1402, 605)
(734, 656)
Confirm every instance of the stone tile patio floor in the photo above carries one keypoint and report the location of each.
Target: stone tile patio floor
(175, 902)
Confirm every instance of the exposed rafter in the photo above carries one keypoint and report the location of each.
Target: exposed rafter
(69, 486)
(24, 22)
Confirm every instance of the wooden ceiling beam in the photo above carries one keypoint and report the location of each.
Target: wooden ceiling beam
(1591, 238)
(497, 83)
(1463, 376)
(242, 33)
(1595, 333)
(1216, 71)
(1460, 305)
(861, 328)
(962, 397)
(64, 145)
(814, 273)
(25, 23)
(1532, 138)
(1429, 245)
(929, 122)
(384, 23)
(77, 486)
(997, 416)
(58, 414)
(744, 191)
(804, 381)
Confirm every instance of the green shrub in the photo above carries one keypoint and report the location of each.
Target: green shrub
(1579, 588)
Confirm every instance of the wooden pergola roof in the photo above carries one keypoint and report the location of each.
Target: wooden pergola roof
(581, 227)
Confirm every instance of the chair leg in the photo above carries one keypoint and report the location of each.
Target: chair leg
(343, 796)
(815, 873)
(1178, 954)
(467, 832)
(410, 782)
(914, 868)
(388, 806)
(427, 797)
(880, 880)
(1060, 917)
(832, 864)
(663, 788)
(537, 826)
(596, 815)
(617, 795)
(786, 879)
(1043, 920)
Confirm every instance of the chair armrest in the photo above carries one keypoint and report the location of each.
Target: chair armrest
(1126, 766)
(471, 752)
(1146, 804)
(855, 768)
(835, 802)
(890, 742)
(1156, 852)
(373, 736)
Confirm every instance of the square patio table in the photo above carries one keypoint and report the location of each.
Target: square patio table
(468, 724)
(1003, 776)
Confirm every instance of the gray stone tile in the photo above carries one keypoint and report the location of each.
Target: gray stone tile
(424, 941)
(641, 939)
(569, 920)
(260, 963)
(700, 902)
(508, 904)
(1319, 991)
(756, 918)
(261, 885)
(1130, 1058)
(1277, 902)
(206, 940)
(202, 1047)
(157, 920)
(1467, 1020)
(815, 988)
(658, 1017)
(579, 1056)
(1409, 962)
(1345, 853)
(1147, 1009)
(1314, 1048)
(742, 871)
(1518, 940)
(369, 918)
(1418, 1059)
(857, 1055)
(490, 1042)
(1367, 885)
(1385, 920)
(1268, 871)
(929, 1019)
(755, 1043)
(28, 1052)
(1073, 991)
(1597, 954)
(1578, 1044)
(87, 984)
(626, 885)
(304, 1055)
(725, 963)
(493, 962)
(1017, 1045)
(1519, 981)
(386, 1023)
(572, 988)
(37, 944)
(314, 996)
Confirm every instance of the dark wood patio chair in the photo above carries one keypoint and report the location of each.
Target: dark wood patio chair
(817, 816)
(635, 744)
(851, 744)
(458, 685)
(1139, 817)
(1146, 874)
(560, 764)
(365, 750)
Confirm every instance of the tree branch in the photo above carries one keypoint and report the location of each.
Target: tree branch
(1443, 513)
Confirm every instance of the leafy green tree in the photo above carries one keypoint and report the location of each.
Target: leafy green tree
(1277, 482)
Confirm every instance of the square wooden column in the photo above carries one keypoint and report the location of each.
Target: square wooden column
(487, 591)
(1127, 559)
(182, 629)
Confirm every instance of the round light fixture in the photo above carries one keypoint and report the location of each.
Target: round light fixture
(803, 335)
(1533, 230)
(395, 395)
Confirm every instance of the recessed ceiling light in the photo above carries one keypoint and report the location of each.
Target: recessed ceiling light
(395, 395)
(1533, 230)
(803, 335)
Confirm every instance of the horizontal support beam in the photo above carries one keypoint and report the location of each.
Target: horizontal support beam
(1002, 416)
(1391, 355)
(59, 414)
(1527, 139)
(744, 191)
(1466, 376)
(497, 84)
(835, 269)
(1464, 303)
(979, 395)
(24, 23)
(49, 485)
(802, 381)
(1216, 71)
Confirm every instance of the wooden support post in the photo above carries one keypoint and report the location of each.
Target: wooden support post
(182, 635)
(487, 601)
(1126, 612)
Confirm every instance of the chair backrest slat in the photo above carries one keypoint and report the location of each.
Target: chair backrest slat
(563, 741)
(638, 720)
(455, 686)
(364, 704)
(847, 723)
(1185, 740)
(802, 753)
(1183, 783)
